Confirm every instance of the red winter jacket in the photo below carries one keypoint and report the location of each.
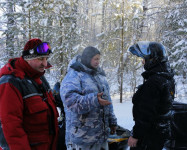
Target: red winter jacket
(28, 113)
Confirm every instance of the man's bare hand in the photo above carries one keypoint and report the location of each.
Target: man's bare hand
(102, 102)
(132, 142)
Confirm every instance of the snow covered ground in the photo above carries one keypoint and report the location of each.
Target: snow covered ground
(123, 112)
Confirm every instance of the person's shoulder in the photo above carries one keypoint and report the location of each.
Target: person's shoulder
(13, 80)
(157, 80)
(9, 79)
(101, 71)
(77, 66)
(73, 72)
(72, 75)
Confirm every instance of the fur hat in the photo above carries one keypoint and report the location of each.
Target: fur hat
(28, 52)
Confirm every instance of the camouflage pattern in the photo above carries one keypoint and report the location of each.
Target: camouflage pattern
(87, 122)
(103, 146)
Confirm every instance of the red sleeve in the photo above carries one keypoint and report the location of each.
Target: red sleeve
(11, 115)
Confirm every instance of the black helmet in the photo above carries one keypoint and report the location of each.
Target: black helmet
(148, 50)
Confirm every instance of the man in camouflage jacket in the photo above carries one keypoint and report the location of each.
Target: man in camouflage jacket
(89, 112)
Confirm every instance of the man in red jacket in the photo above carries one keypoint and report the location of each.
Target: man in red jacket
(28, 115)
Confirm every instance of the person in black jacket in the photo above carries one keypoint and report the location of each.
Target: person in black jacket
(61, 120)
(152, 101)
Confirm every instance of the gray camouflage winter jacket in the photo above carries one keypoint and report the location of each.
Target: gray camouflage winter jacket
(87, 122)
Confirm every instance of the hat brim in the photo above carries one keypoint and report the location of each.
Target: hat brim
(30, 57)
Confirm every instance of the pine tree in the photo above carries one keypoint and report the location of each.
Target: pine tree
(175, 36)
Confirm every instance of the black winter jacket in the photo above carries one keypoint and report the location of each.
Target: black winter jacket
(153, 102)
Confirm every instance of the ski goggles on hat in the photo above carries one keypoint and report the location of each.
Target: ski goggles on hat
(141, 49)
(42, 49)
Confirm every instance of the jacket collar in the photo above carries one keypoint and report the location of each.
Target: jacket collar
(162, 69)
(80, 67)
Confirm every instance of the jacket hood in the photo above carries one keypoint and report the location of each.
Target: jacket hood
(75, 59)
(9, 69)
(19, 68)
(78, 66)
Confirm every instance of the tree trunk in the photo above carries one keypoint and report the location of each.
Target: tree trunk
(121, 56)
(9, 32)
(103, 24)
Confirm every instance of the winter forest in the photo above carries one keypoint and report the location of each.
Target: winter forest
(110, 25)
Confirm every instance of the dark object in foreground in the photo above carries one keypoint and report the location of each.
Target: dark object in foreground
(119, 140)
(61, 145)
(178, 140)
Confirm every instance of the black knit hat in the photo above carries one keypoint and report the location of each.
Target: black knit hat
(88, 53)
